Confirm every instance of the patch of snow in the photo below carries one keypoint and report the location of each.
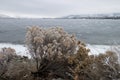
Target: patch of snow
(20, 49)
(97, 49)
(94, 49)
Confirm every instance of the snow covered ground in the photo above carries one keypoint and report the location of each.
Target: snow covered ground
(22, 50)
(97, 49)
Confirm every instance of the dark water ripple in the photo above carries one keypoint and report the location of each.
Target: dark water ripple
(92, 31)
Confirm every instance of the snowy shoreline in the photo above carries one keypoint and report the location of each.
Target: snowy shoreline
(94, 49)
(20, 49)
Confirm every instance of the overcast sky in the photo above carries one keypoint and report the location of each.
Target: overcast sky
(57, 8)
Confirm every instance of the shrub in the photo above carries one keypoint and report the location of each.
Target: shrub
(102, 67)
(19, 68)
(56, 54)
(46, 43)
(13, 67)
(6, 55)
(79, 64)
(106, 66)
(6, 52)
(50, 49)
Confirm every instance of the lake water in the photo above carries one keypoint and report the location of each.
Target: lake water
(90, 31)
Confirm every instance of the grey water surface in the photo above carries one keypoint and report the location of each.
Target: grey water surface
(91, 31)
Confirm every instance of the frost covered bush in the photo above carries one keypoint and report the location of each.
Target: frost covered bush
(19, 68)
(106, 67)
(50, 48)
(55, 55)
(101, 67)
(79, 64)
(60, 55)
(6, 55)
(49, 43)
(6, 52)
(14, 67)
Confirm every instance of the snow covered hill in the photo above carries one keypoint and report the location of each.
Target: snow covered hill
(93, 16)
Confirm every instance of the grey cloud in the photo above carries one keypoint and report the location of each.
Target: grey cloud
(59, 7)
(32, 7)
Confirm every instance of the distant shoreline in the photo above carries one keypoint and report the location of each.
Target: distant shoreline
(91, 18)
(114, 18)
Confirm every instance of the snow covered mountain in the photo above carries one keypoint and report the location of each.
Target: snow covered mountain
(5, 16)
(82, 16)
(93, 16)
